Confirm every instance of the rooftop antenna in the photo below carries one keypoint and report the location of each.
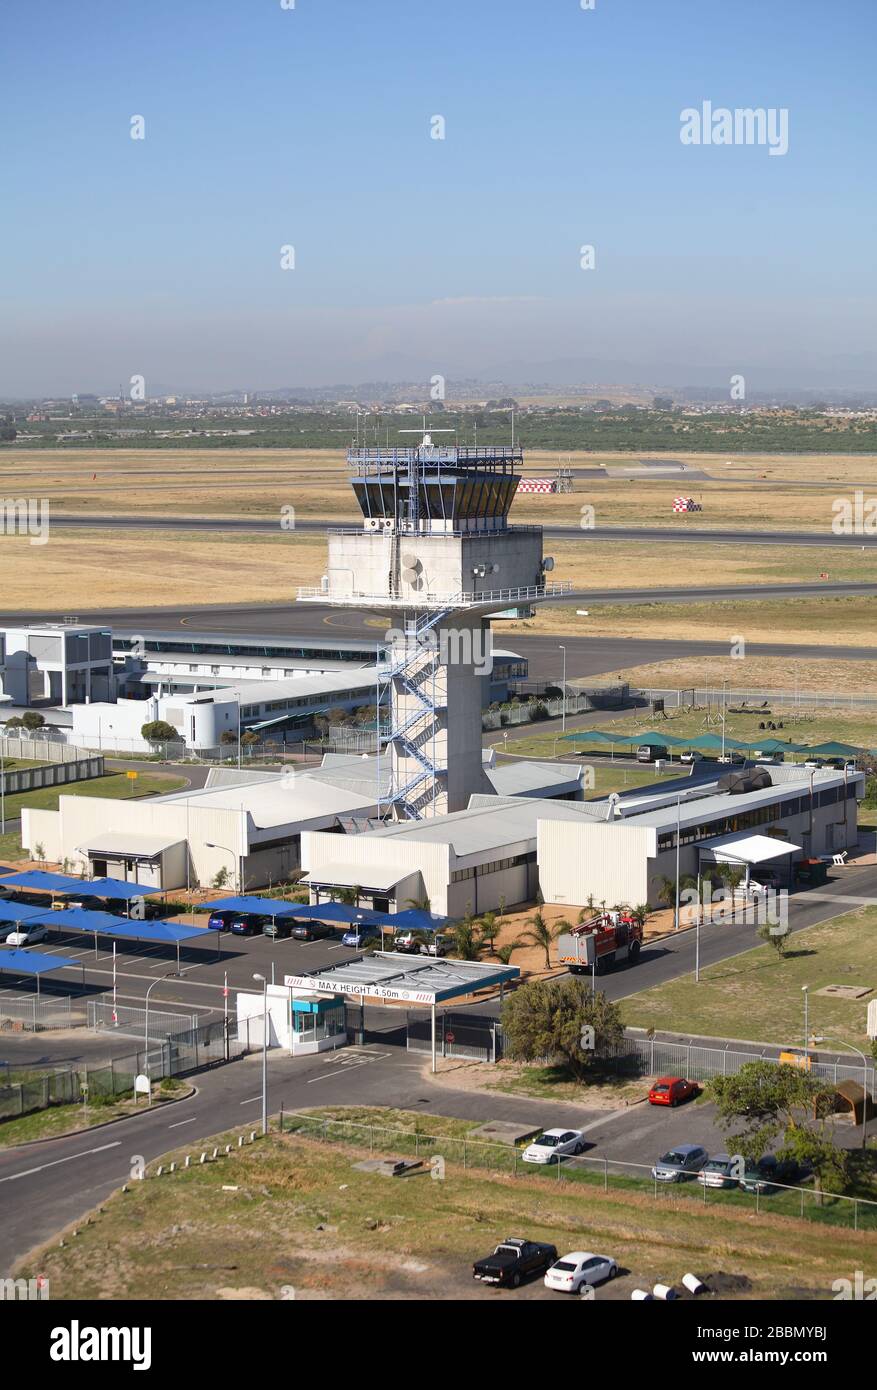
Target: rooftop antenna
(426, 441)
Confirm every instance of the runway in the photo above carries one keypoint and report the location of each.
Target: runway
(586, 656)
(683, 533)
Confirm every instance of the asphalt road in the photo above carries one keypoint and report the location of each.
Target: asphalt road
(43, 1187)
(684, 532)
(586, 656)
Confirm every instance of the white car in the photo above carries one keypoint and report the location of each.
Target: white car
(27, 936)
(573, 1271)
(553, 1145)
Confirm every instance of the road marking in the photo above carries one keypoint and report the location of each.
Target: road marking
(251, 1100)
(183, 1122)
(604, 1120)
(328, 1075)
(27, 1172)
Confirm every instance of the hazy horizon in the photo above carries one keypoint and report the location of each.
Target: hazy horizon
(311, 128)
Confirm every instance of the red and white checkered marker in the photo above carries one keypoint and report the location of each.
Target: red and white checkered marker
(537, 485)
(686, 504)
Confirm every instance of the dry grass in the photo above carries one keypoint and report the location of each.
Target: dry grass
(752, 493)
(819, 677)
(299, 1215)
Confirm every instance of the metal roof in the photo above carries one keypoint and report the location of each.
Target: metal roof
(745, 848)
(409, 979)
(491, 825)
(128, 846)
(364, 876)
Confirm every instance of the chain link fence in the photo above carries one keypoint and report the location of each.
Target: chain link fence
(831, 1208)
(32, 1014)
(173, 1054)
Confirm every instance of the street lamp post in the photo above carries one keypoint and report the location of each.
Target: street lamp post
(146, 1021)
(208, 844)
(264, 980)
(563, 688)
(678, 835)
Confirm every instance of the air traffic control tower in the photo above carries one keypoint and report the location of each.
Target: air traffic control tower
(435, 555)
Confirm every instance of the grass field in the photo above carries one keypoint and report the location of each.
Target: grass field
(292, 1217)
(810, 725)
(10, 848)
(112, 785)
(757, 995)
(64, 1119)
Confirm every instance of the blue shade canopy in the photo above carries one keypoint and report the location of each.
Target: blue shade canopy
(31, 962)
(833, 749)
(339, 912)
(19, 912)
(415, 919)
(79, 919)
(115, 888)
(168, 933)
(266, 907)
(48, 883)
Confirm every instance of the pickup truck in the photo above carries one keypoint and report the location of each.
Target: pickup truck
(513, 1260)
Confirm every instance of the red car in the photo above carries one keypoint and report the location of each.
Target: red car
(670, 1090)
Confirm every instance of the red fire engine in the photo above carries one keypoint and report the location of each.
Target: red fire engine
(599, 941)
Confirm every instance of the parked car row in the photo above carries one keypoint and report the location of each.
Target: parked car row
(723, 1171)
(515, 1260)
(357, 935)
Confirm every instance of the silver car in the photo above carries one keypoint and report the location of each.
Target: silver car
(680, 1163)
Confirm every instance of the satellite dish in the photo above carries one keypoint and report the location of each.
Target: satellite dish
(548, 564)
(410, 576)
(411, 561)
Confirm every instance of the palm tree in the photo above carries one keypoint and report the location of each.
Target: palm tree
(667, 891)
(504, 953)
(543, 935)
(420, 904)
(468, 942)
(640, 913)
(490, 925)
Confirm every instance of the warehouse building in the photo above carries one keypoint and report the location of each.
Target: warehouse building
(623, 858)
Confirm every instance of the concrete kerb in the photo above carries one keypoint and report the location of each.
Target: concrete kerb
(103, 1124)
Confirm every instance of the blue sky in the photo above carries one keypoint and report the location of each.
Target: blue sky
(311, 127)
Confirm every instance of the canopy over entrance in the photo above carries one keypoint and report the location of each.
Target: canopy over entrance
(743, 848)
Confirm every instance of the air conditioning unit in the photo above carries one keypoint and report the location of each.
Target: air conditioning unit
(388, 524)
(373, 523)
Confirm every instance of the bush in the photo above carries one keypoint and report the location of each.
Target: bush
(158, 731)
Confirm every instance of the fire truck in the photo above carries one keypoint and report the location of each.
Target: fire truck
(600, 941)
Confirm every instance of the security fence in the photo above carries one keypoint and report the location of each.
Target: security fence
(479, 1038)
(174, 1054)
(652, 1057)
(48, 749)
(789, 700)
(31, 1013)
(57, 774)
(128, 1021)
(810, 1203)
(475, 1037)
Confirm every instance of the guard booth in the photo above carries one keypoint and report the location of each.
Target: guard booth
(303, 1021)
(317, 1022)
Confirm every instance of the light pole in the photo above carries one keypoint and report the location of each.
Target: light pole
(2, 793)
(146, 1021)
(678, 835)
(264, 980)
(563, 688)
(208, 844)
